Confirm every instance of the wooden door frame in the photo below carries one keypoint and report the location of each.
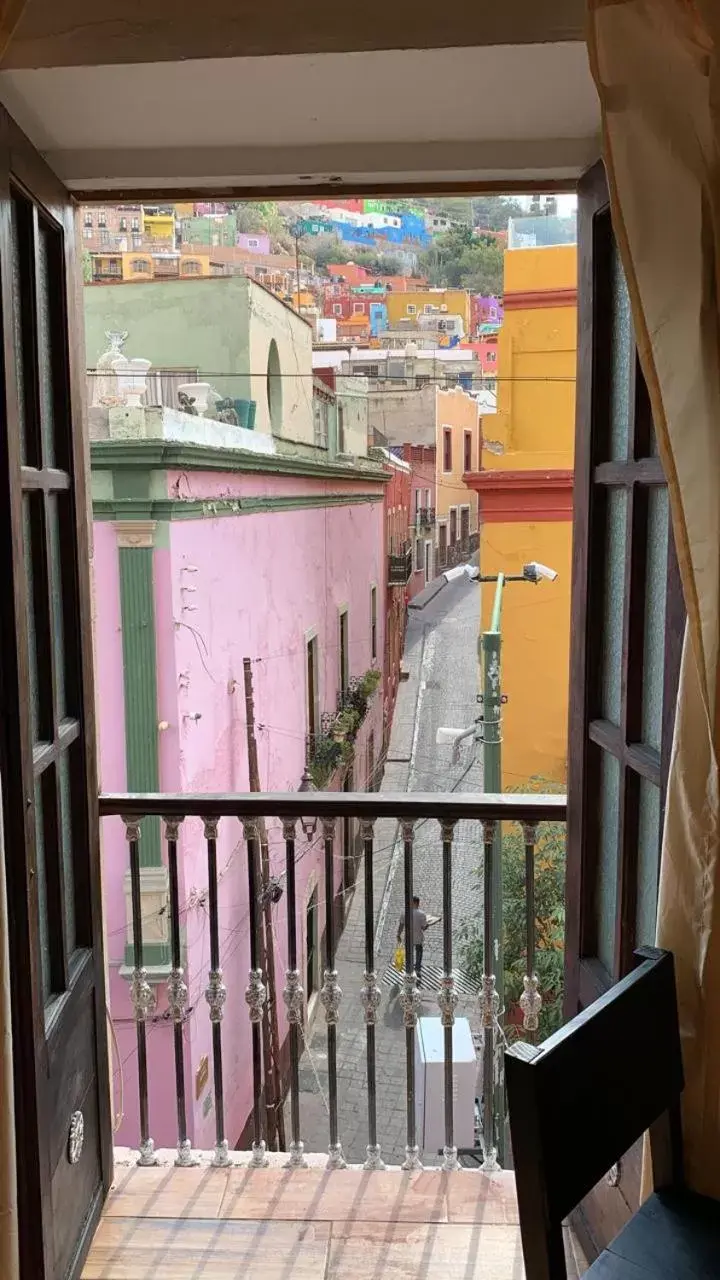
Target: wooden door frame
(22, 168)
(585, 977)
(609, 1204)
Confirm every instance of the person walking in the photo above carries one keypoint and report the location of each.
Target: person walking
(420, 923)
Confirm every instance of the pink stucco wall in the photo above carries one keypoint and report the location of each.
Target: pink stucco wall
(252, 585)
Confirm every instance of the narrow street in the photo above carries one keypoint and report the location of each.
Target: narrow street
(441, 658)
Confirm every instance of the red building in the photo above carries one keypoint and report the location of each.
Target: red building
(340, 303)
(486, 350)
(421, 459)
(398, 560)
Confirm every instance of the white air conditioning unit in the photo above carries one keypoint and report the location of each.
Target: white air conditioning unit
(443, 306)
(429, 1084)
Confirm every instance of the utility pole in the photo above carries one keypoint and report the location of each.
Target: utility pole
(270, 1028)
(296, 232)
(492, 782)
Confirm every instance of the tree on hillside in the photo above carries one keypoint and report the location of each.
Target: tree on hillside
(460, 260)
(494, 212)
(379, 263)
(490, 212)
(325, 249)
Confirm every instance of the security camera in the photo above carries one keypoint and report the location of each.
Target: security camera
(535, 571)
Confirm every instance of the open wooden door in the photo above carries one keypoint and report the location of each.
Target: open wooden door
(47, 746)
(627, 626)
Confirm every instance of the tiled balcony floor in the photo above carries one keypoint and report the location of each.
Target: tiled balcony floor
(214, 1224)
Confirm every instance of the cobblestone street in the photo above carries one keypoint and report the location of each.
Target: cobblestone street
(441, 658)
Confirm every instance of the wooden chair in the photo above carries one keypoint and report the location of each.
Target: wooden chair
(579, 1101)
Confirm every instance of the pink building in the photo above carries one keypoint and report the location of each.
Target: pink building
(253, 241)
(232, 553)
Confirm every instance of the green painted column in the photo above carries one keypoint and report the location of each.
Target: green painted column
(135, 554)
(492, 783)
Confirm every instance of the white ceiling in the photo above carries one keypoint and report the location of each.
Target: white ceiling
(444, 113)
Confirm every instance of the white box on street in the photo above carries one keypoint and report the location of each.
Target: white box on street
(429, 1086)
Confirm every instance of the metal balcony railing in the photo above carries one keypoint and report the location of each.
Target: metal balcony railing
(400, 567)
(297, 810)
(425, 517)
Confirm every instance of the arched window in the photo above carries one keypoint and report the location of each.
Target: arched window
(140, 266)
(190, 267)
(274, 388)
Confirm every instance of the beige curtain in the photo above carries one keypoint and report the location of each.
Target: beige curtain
(655, 63)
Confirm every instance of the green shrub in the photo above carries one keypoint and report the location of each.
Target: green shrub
(549, 923)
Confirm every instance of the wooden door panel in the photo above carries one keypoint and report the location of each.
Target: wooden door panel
(627, 621)
(47, 747)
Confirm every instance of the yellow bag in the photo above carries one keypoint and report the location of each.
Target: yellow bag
(399, 958)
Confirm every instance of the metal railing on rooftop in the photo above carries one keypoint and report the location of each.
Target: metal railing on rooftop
(291, 809)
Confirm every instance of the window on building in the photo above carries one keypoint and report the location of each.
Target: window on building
(465, 529)
(418, 496)
(418, 554)
(102, 218)
(88, 218)
(104, 237)
(321, 413)
(358, 308)
(373, 623)
(442, 545)
(341, 428)
(253, 244)
(135, 224)
(337, 309)
(191, 267)
(88, 233)
(427, 498)
(467, 452)
(137, 242)
(313, 691)
(343, 650)
(453, 526)
(411, 309)
(123, 224)
(447, 449)
(274, 387)
(491, 357)
(140, 266)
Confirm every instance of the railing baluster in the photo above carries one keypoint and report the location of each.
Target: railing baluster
(489, 1006)
(177, 994)
(294, 998)
(371, 997)
(216, 994)
(447, 997)
(142, 995)
(330, 996)
(410, 1000)
(530, 1000)
(255, 993)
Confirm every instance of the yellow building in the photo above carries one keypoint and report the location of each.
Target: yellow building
(418, 302)
(158, 226)
(525, 493)
(143, 265)
(457, 451)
